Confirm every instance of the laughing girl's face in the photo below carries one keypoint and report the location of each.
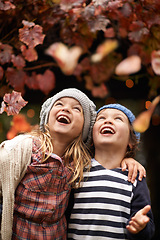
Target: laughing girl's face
(66, 119)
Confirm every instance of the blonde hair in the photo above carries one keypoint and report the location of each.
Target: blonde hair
(77, 152)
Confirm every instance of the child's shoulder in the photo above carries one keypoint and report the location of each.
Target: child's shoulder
(9, 144)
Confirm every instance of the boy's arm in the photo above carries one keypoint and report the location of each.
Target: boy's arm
(133, 168)
(141, 199)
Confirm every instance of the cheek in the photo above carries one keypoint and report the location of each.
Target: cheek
(51, 117)
(95, 131)
(79, 123)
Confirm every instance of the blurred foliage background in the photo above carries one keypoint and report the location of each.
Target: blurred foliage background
(109, 49)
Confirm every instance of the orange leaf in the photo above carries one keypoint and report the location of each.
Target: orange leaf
(104, 49)
(141, 123)
(129, 65)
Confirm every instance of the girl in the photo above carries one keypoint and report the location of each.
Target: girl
(37, 170)
(107, 206)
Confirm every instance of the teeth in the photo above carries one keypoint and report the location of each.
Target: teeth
(63, 119)
(107, 130)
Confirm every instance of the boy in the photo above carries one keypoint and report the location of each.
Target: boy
(107, 206)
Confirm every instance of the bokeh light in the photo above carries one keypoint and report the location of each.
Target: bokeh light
(30, 113)
(147, 104)
(129, 83)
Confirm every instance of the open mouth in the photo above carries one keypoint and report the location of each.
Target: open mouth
(63, 119)
(107, 130)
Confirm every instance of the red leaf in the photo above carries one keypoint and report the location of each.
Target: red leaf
(46, 81)
(1, 73)
(18, 61)
(138, 31)
(109, 33)
(32, 82)
(100, 91)
(6, 6)
(68, 4)
(30, 54)
(16, 78)
(31, 34)
(12, 103)
(5, 53)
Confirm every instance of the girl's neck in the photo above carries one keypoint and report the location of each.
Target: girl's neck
(109, 159)
(59, 147)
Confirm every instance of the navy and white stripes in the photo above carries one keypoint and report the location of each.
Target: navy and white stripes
(102, 205)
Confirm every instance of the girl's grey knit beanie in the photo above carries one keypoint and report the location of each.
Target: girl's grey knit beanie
(89, 110)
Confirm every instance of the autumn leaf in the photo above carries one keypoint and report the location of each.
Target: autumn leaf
(12, 103)
(31, 34)
(155, 61)
(104, 49)
(129, 65)
(65, 5)
(5, 53)
(100, 91)
(18, 61)
(141, 123)
(31, 81)
(1, 73)
(65, 57)
(19, 124)
(16, 78)
(46, 81)
(6, 5)
(30, 54)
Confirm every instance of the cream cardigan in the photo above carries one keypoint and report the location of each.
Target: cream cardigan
(15, 156)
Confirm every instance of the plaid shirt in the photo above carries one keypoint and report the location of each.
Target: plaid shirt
(41, 199)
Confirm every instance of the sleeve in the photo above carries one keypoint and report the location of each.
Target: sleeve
(70, 206)
(141, 198)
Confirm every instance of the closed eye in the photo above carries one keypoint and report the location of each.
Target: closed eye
(119, 118)
(58, 103)
(100, 118)
(77, 108)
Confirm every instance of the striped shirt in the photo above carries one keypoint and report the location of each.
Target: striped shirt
(41, 199)
(102, 206)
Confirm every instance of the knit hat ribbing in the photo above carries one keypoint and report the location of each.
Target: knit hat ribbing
(125, 110)
(89, 110)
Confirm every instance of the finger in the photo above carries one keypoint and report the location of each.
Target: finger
(134, 224)
(123, 166)
(139, 223)
(145, 210)
(134, 175)
(131, 229)
(142, 172)
(130, 172)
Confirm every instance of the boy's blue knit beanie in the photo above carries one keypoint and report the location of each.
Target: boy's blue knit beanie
(125, 110)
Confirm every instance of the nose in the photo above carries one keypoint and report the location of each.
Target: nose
(108, 121)
(66, 109)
